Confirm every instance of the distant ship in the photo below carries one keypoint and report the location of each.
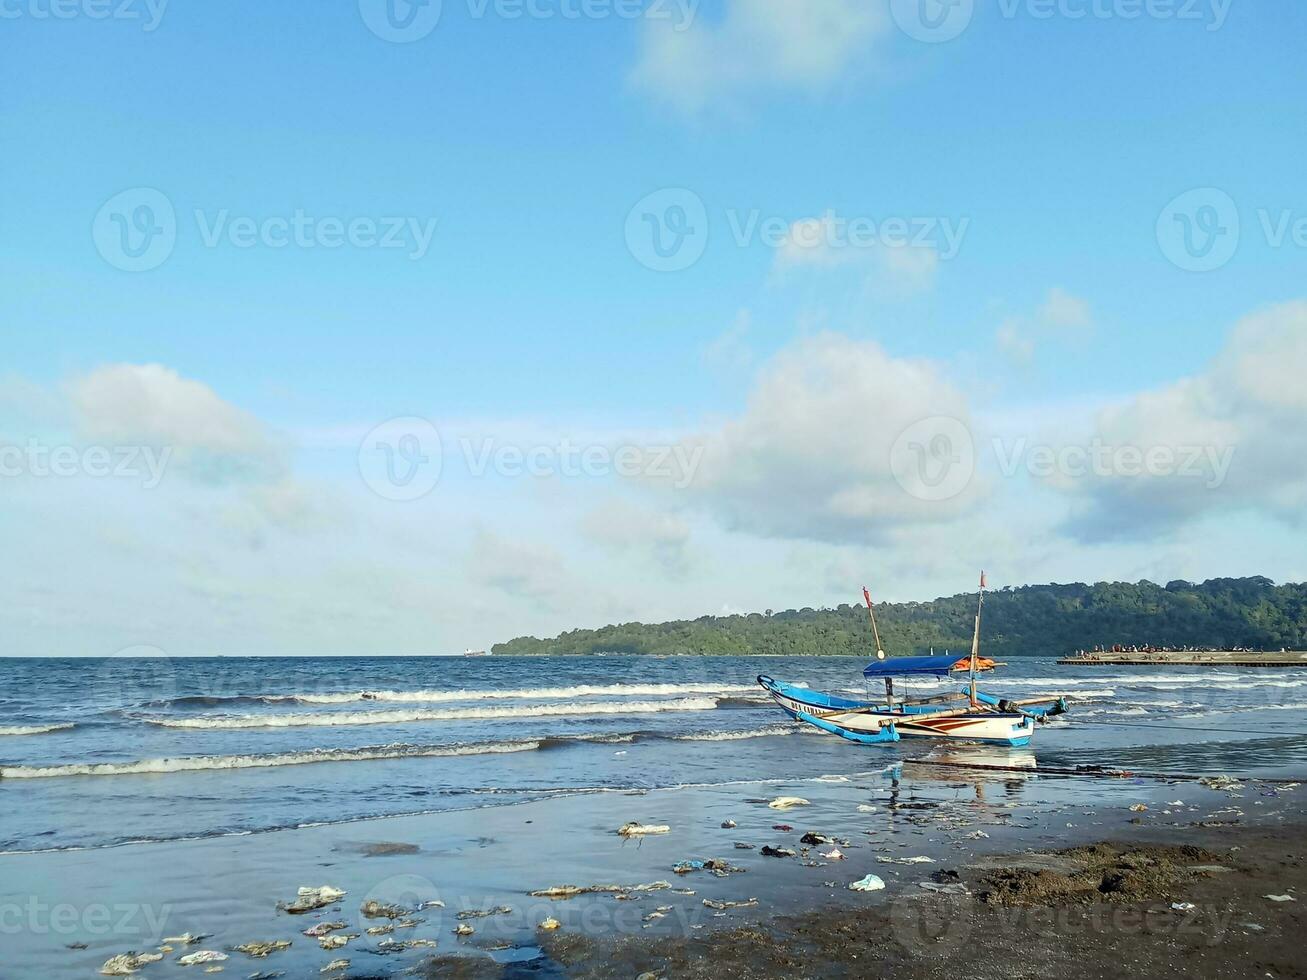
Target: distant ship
(475, 653)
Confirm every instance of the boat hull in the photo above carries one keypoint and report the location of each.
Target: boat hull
(867, 718)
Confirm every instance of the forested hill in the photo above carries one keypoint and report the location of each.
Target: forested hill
(1036, 620)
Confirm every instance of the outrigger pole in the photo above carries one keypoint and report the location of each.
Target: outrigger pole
(975, 643)
(880, 651)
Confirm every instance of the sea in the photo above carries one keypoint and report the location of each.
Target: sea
(102, 753)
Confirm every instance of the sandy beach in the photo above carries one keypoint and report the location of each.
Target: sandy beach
(940, 840)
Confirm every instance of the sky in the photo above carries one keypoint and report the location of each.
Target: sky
(369, 327)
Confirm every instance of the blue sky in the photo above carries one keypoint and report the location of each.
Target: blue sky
(1050, 139)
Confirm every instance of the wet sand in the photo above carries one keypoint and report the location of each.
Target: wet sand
(1197, 910)
(909, 826)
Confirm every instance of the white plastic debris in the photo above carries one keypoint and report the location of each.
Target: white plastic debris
(868, 884)
(1183, 906)
(1227, 783)
(642, 829)
(1280, 898)
(335, 965)
(308, 899)
(785, 802)
(834, 854)
(549, 924)
(1138, 807)
(921, 859)
(202, 956)
(866, 808)
(463, 929)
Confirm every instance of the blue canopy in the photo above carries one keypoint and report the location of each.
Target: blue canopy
(906, 666)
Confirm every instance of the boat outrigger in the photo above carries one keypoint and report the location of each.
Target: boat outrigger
(980, 717)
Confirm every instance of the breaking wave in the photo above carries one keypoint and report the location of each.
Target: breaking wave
(35, 729)
(333, 719)
(442, 697)
(371, 753)
(207, 762)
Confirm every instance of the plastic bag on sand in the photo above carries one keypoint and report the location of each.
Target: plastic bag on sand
(203, 956)
(308, 899)
(868, 884)
(634, 829)
(785, 802)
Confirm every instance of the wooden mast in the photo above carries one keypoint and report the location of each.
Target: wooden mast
(880, 652)
(975, 641)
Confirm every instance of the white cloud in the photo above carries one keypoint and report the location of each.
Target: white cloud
(827, 242)
(1061, 309)
(1247, 412)
(1062, 317)
(621, 527)
(757, 45)
(814, 453)
(152, 405)
(519, 568)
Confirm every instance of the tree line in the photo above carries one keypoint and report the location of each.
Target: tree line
(1032, 620)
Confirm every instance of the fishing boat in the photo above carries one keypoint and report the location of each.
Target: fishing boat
(967, 714)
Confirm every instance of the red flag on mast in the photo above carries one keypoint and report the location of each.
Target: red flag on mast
(982, 579)
(866, 595)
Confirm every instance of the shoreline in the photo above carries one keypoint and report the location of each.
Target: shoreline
(900, 823)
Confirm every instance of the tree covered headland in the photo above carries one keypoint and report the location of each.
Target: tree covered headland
(1033, 620)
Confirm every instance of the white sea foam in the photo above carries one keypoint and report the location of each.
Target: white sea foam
(200, 763)
(426, 696)
(738, 735)
(333, 719)
(35, 729)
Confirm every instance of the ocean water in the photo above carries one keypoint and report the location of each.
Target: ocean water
(102, 753)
